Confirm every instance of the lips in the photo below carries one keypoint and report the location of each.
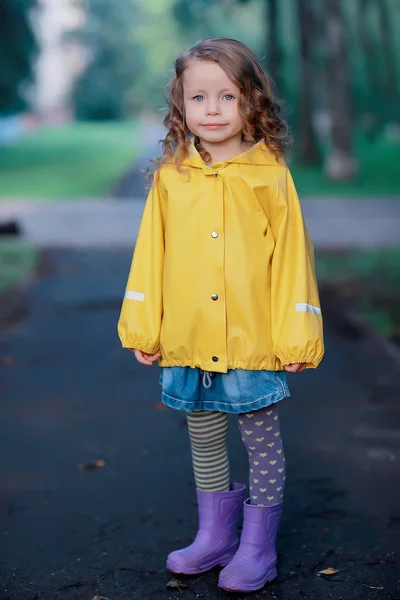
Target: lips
(213, 125)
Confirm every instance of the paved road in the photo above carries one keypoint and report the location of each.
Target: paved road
(333, 222)
(70, 394)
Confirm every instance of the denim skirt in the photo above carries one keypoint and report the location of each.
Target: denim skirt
(237, 391)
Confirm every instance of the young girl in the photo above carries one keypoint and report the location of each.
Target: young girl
(222, 291)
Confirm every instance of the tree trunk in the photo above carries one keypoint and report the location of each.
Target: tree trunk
(273, 58)
(379, 58)
(388, 50)
(367, 44)
(370, 119)
(340, 164)
(308, 142)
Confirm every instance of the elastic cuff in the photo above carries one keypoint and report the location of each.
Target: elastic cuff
(311, 363)
(142, 348)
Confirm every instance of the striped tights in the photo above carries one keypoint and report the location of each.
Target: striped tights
(260, 433)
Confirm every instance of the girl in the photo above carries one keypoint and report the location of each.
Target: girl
(222, 291)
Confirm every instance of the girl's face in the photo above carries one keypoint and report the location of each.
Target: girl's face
(211, 102)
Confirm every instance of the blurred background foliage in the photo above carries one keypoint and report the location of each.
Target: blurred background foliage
(133, 45)
(335, 64)
(18, 49)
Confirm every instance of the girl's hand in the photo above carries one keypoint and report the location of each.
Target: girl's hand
(146, 359)
(295, 367)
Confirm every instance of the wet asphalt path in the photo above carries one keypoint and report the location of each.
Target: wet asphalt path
(70, 394)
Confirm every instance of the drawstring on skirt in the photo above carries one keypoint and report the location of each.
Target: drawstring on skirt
(207, 382)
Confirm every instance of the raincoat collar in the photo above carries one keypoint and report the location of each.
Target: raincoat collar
(259, 154)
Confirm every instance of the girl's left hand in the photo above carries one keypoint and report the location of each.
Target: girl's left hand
(295, 367)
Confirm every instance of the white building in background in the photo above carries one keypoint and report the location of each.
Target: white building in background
(60, 60)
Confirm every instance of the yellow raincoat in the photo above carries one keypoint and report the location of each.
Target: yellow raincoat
(223, 270)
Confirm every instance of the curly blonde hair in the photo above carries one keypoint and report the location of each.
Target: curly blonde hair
(258, 105)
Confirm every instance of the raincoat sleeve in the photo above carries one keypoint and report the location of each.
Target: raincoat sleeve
(297, 330)
(140, 319)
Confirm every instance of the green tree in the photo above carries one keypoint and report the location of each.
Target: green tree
(197, 14)
(388, 50)
(17, 52)
(273, 47)
(340, 163)
(102, 92)
(376, 23)
(308, 141)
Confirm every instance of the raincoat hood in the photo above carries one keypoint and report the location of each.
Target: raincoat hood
(223, 273)
(259, 154)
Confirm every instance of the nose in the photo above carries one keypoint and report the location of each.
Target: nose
(213, 109)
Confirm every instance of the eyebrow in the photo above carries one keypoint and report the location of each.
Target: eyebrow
(200, 91)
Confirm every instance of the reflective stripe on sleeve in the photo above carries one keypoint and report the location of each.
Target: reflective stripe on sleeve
(129, 295)
(304, 307)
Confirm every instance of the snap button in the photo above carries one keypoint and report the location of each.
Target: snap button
(214, 297)
(214, 234)
(215, 358)
(216, 174)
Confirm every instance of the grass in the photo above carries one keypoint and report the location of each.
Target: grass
(370, 280)
(85, 159)
(79, 159)
(18, 261)
(379, 173)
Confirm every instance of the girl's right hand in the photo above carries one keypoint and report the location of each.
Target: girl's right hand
(146, 359)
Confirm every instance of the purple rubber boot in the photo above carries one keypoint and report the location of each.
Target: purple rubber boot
(255, 561)
(217, 538)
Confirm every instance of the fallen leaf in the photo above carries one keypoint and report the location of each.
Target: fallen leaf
(330, 571)
(93, 464)
(176, 584)
(373, 587)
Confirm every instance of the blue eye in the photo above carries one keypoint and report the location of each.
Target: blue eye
(229, 97)
(198, 98)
